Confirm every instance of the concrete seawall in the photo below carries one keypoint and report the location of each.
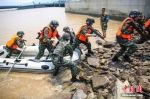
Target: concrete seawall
(117, 9)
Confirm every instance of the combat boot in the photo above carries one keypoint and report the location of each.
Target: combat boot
(55, 72)
(115, 59)
(74, 79)
(90, 52)
(127, 59)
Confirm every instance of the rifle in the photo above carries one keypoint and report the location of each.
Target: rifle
(97, 33)
(140, 30)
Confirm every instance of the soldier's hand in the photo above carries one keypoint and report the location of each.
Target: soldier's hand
(51, 42)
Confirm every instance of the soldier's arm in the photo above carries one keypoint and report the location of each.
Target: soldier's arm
(58, 36)
(70, 50)
(106, 18)
(85, 32)
(125, 27)
(19, 42)
(48, 40)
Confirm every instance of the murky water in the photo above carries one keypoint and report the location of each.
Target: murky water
(29, 85)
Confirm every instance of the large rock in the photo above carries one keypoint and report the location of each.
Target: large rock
(109, 44)
(93, 61)
(79, 94)
(99, 82)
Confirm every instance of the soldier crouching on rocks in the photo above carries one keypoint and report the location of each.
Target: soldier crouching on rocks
(124, 37)
(58, 54)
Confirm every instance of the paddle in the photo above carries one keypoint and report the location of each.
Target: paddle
(16, 60)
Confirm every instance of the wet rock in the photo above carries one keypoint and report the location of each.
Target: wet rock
(99, 96)
(99, 81)
(65, 95)
(91, 96)
(106, 56)
(82, 76)
(109, 44)
(79, 94)
(103, 61)
(103, 93)
(131, 79)
(93, 61)
(139, 72)
(99, 42)
(124, 76)
(80, 86)
(66, 84)
(104, 67)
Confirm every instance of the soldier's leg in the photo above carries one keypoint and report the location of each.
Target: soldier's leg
(88, 45)
(56, 63)
(9, 50)
(119, 53)
(132, 48)
(104, 28)
(17, 52)
(41, 51)
(76, 43)
(73, 68)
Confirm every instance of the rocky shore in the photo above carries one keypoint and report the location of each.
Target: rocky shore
(100, 78)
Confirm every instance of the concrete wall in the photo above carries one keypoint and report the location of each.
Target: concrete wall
(115, 8)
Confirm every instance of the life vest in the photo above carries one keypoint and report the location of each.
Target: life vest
(49, 33)
(147, 24)
(126, 36)
(11, 43)
(81, 36)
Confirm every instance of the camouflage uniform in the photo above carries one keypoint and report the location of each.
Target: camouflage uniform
(77, 41)
(58, 60)
(11, 51)
(103, 21)
(143, 37)
(72, 36)
(125, 43)
(45, 45)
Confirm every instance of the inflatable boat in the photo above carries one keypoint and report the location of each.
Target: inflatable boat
(28, 63)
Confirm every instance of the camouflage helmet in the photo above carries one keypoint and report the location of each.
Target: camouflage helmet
(134, 13)
(66, 36)
(90, 20)
(66, 28)
(20, 33)
(54, 23)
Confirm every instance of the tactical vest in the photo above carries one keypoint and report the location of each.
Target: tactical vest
(119, 32)
(60, 48)
(80, 35)
(49, 33)
(11, 43)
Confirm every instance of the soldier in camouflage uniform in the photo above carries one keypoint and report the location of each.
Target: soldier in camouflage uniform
(82, 35)
(58, 54)
(45, 40)
(146, 33)
(15, 42)
(66, 29)
(103, 21)
(124, 37)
